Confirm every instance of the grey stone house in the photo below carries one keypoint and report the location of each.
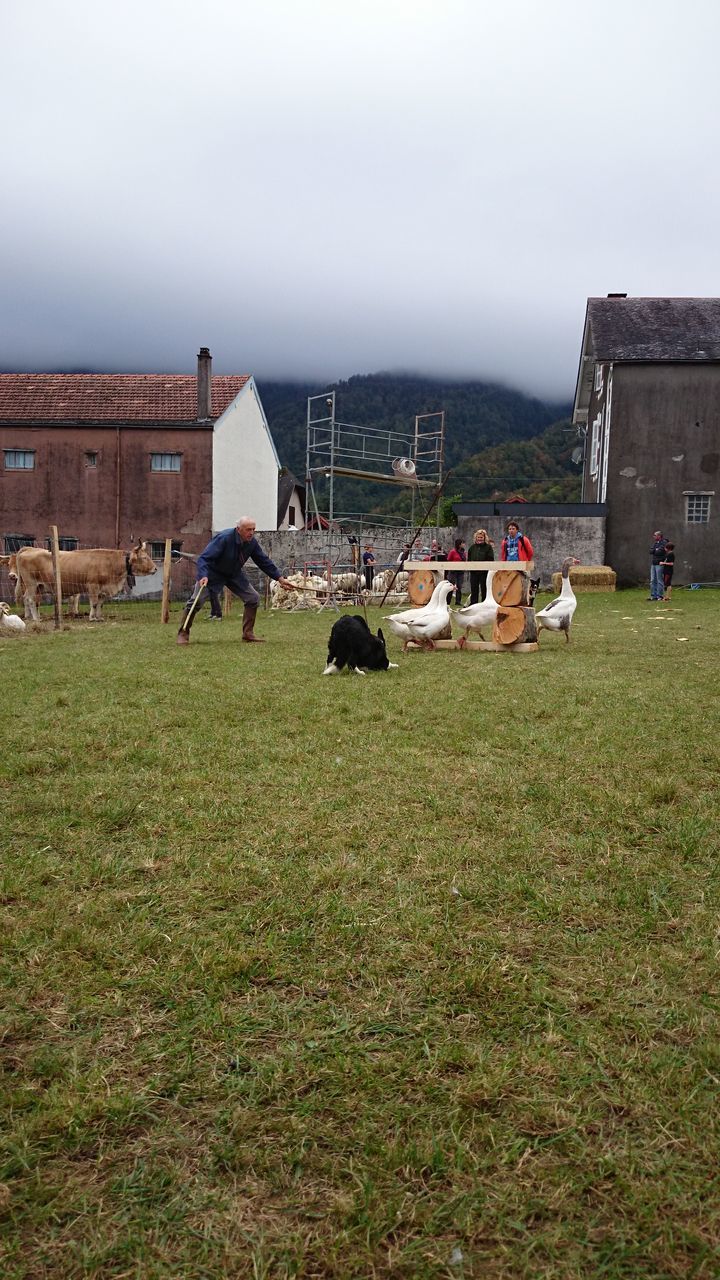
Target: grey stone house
(648, 403)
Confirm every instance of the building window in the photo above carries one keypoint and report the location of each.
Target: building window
(19, 459)
(165, 461)
(291, 515)
(91, 458)
(698, 508)
(14, 541)
(595, 446)
(64, 544)
(157, 549)
(598, 377)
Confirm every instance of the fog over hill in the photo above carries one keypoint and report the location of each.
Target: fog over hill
(482, 420)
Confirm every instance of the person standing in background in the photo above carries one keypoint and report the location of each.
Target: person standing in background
(515, 546)
(457, 553)
(368, 565)
(481, 548)
(657, 555)
(668, 565)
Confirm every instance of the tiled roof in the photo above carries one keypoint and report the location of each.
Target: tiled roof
(110, 397)
(663, 329)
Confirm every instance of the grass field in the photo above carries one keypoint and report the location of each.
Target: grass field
(411, 976)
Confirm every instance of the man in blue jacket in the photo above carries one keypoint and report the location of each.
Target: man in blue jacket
(221, 565)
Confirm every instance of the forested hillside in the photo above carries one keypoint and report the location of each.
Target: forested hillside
(540, 469)
(497, 440)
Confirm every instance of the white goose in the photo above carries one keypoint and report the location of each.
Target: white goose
(10, 621)
(475, 616)
(398, 622)
(428, 629)
(558, 614)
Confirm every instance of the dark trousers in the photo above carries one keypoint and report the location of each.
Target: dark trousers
(369, 575)
(478, 587)
(457, 581)
(240, 586)
(215, 605)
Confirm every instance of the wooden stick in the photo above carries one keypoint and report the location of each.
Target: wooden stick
(472, 566)
(167, 563)
(55, 550)
(400, 568)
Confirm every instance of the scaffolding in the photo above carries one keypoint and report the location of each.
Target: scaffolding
(412, 459)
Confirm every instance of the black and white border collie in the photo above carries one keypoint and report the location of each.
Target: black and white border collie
(353, 645)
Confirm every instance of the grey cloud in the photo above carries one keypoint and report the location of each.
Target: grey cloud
(316, 192)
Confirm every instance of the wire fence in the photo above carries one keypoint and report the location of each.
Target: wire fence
(122, 598)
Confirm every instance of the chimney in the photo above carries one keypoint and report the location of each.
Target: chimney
(204, 381)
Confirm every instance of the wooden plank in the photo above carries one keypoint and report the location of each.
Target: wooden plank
(167, 562)
(489, 646)
(471, 566)
(54, 550)
(483, 646)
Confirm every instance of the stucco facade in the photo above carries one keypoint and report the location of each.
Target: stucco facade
(244, 464)
(657, 450)
(648, 404)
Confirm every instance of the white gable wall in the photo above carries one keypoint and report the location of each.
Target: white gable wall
(296, 502)
(245, 464)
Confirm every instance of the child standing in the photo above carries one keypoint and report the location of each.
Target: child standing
(667, 565)
(368, 566)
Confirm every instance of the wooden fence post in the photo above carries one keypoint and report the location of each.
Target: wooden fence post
(227, 601)
(167, 564)
(54, 549)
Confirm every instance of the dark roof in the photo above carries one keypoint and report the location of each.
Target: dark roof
(110, 397)
(653, 329)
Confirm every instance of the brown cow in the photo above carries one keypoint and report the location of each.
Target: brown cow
(11, 564)
(99, 573)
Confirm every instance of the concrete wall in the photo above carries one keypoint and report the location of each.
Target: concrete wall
(664, 442)
(291, 551)
(553, 538)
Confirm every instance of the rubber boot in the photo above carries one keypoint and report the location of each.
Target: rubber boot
(248, 634)
(183, 636)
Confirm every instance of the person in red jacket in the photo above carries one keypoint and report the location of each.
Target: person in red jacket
(515, 546)
(457, 553)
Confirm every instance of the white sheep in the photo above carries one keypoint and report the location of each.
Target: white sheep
(346, 582)
(313, 590)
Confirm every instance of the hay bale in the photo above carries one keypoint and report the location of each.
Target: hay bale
(587, 577)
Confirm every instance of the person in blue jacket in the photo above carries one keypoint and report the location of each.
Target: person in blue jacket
(221, 565)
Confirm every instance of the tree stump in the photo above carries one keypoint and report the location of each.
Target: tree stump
(514, 625)
(421, 584)
(511, 587)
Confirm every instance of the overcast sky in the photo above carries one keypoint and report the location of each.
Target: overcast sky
(318, 189)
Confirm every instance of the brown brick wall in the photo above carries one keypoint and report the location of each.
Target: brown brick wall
(83, 501)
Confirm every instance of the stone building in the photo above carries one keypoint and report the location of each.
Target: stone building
(648, 404)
